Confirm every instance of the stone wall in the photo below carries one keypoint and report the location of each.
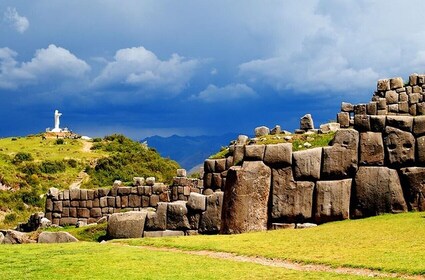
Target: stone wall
(375, 165)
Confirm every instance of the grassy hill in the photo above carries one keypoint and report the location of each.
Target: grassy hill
(30, 165)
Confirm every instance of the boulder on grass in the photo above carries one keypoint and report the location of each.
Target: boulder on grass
(56, 237)
(127, 225)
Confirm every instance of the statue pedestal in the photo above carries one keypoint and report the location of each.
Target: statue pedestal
(56, 130)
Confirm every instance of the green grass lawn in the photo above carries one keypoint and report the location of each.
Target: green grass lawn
(391, 243)
(108, 261)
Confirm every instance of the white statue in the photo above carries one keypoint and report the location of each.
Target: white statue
(57, 122)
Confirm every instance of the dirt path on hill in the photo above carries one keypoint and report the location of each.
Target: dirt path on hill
(87, 146)
(288, 264)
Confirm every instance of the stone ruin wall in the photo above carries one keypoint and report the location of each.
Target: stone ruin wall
(374, 165)
(169, 210)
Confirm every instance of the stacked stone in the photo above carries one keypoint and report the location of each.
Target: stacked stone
(392, 97)
(182, 186)
(70, 206)
(215, 173)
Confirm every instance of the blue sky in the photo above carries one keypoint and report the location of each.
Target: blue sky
(147, 68)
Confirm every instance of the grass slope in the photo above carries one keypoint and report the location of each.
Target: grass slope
(391, 243)
(108, 261)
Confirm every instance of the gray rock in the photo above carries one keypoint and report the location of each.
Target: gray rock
(177, 216)
(254, 152)
(53, 193)
(261, 131)
(117, 183)
(197, 202)
(347, 107)
(16, 237)
(138, 181)
(362, 122)
(307, 164)
(392, 97)
(210, 221)
(305, 225)
(343, 119)
(306, 122)
(377, 190)
(246, 198)
(371, 148)
(283, 226)
(383, 85)
(332, 200)
(292, 201)
(401, 122)
(377, 123)
(242, 140)
(396, 83)
(413, 183)
(329, 127)
(150, 181)
(276, 130)
(278, 154)
(1, 238)
(56, 237)
(419, 125)
(413, 79)
(127, 225)
(399, 146)
(45, 223)
(181, 172)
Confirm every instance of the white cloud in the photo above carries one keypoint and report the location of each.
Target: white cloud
(51, 65)
(19, 23)
(142, 69)
(229, 92)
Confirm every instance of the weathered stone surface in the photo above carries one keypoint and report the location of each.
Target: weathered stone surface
(403, 107)
(413, 182)
(242, 140)
(150, 181)
(292, 201)
(283, 226)
(419, 125)
(254, 152)
(332, 200)
(261, 131)
(420, 146)
(413, 79)
(211, 219)
(396, 83)
(238, 154)
(383, 85)
(306, 122)
(68, 221)
(371, 148)
(15, 237)
(347, 107)
(220, 165)
(329, 127)
(305, 225)
(278, 154)
(392, 97)
(56, 237)
(177, 215)
(360, 109)
(83, 213)
(377, 190)
(157, 220)
(124, 190)
(53, 193)
(276, 130)
(307, 164)
(343, 119)
(197, 202)
(362, 122)
(399, 146)
(401, 122)
(138, 181)
(372, 108)
(403, 97)
(246, 198)
(127, 225)
(209, 165)
(377, 123)
(74, 194)
(382, 104)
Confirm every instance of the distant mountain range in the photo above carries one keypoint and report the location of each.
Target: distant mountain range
(189, 151)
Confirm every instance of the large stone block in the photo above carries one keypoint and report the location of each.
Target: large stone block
(362, 122)
(332, 200)
(238, 154)
(371, 148)
(134, 200)
(197, 202)
(56, 237)
(306, 122)
(343, 119)
(413, 182)
(127, 225)
(307, 164)
(396, 83)
(420, 146)
(383, 85)
(210, 221)
(246, 198)
(377, 123)
(377, 190)
(292, 201)
(347, 107)
(157, 220)
(278, 154)
(338, 162)
(261, 131)
(177, 215)
(220, 165)
(74, 194)
(254, 152)
(419, 125)
(392, 97)
(401, 122)
(124, 190)
(399, 146)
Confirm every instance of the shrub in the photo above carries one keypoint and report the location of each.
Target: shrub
(22, 156)
(51, 167)
(10, 218)
(72, 163)
(60, 141)
(97, 139)
(30, 168)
